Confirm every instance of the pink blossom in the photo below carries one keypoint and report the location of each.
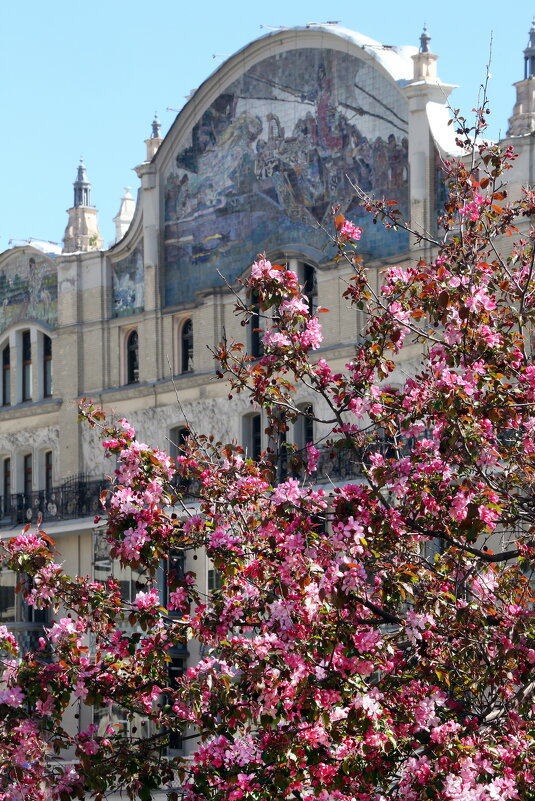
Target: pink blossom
(287, 492)
(313, 457)
(472, 208)
(262, 269)
(312, 337)
(13, 696)
(128, 428)
(147, 601)
(294, 306)
(178, 599)
(459, 506)
(274, 339)
(27, 542)
(62, 629)
(350, 231)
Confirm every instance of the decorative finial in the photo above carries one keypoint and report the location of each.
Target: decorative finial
(156, 126)
(81, 171)
(424, 41)
(529, 54)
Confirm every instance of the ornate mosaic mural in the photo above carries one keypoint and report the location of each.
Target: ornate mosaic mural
(127, 277)
(272, 155)
(28, 289)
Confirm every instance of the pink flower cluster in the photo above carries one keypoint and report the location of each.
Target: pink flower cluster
(472, 208)
(350, 231)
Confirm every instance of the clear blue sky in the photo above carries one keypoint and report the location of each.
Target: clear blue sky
(84, 79)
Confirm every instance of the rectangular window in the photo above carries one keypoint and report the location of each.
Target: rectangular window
(175, 671)
(304, 427)
(48, 473)
(174, 568)
(26, 366)
(7, 487)
(28, 477)
(6, 376)
(8, 582)
(254, 436)
(310, 286)
(214, 580)
(47, 367)
(256, 343)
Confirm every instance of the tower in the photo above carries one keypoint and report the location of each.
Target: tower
(522, 120)
(82, 231)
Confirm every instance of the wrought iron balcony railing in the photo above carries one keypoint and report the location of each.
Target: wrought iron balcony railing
(79, 496)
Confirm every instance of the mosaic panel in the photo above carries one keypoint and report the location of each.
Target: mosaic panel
(270, 158)
(28, 290)
(128, 287)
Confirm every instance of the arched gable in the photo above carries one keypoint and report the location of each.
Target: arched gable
(268, 158)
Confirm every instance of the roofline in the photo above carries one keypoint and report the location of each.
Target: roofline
(395, 63)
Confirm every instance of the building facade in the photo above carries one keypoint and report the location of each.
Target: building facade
(254, 162)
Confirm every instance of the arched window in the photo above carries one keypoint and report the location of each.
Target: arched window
(304, 426)
(279, 444)
(26, 366)
(6, 376)
(186, 347)
(47, 366)
(177, 437)
(132, 358)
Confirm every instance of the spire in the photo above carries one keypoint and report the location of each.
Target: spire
(82, 187)
(81, 233)
(529, 54)
(424, 41)
(125, 214)
(156, 127)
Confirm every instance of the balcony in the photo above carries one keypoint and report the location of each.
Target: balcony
(79, 496)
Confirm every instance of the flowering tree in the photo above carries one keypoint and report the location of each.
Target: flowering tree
(370, 641)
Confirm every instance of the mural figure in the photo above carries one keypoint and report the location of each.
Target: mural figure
(272, 155)
(128, 290)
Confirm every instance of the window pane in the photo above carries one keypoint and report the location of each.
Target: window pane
(26, 366)
(132, 360)
(310, 286)
(6, 376)
(28, 476)
(256, 437)
(8, 582)
(47, 367)
(255, 335)
(187, 347)
(7, 487)
(48, 472)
